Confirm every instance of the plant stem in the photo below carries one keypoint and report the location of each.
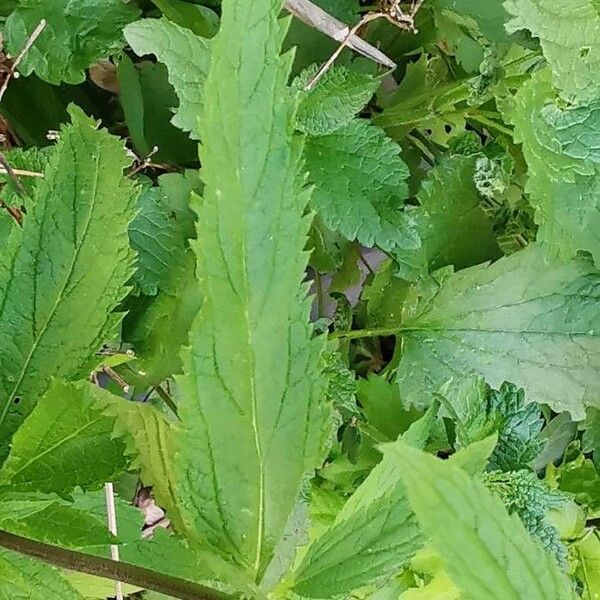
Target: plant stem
(358, 334)
(109, 569)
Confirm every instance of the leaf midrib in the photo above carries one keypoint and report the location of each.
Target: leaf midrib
(60, 294)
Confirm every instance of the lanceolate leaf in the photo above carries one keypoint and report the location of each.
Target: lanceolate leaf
(570, 34)
(23, 577)
(69, 272)
(66, 442)
(187, 57)
(487, 553)
(78, 33)
(520, 319)
(250, 394)
(561, 149)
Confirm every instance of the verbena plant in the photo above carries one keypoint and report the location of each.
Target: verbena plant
(352, 356)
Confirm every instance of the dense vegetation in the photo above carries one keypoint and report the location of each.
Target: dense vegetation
(308, 333)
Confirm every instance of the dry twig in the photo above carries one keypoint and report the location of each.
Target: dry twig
(112, 527)
(316, 17)
(391, 11)
(35, 34)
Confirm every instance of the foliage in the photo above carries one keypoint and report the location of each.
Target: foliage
(327, 336)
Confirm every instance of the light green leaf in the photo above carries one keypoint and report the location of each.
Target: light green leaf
(77, 34)
(453, 227)
(23, 578)
(360, 186)
(151, 443)
(564, 167)
(161, 230)
(521, 319)
(252, 369)
(334, 101)
(66, 442)
(570, 34)
(52, 521)
(58, 291)
(187, 58)
(373, 535)
(487, 553)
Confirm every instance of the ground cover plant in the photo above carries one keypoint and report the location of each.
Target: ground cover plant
(300, 300)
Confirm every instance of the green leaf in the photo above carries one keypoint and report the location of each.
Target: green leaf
(199, 19)
(563, 167)
(334, 101)
(487, 553)
(360, 185)
(478, 411)
(523, 493)
(187, 58)
(453, 226)
(70, 270)
(374, 534)
(66, 442)
(23, 578)
(77, 34)
(51, 521)
(252, 368)
(521, 319)
(490, 16)
(161, 231)
(569, 34)
(383, 407)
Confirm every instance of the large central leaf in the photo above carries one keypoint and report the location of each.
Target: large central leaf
(251, 387)
(523, 320)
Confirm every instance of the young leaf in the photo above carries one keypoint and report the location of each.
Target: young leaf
(66, 442)
(187, 57)
(569, 34)
(70, 270)
(23, 577)
(487, 553)
(335, 100)
(360, 186)
(160, 233)
(250, 394)
(522, 319)
(77, 34)
(563, 167)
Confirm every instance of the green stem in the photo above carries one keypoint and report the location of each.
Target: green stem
(358, 334)
(109, 569)
(479, 118)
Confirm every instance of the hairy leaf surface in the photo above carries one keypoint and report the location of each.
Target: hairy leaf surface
(486, 552)
(251, 389)
(70, 271)
(334, 101)
(187, 58)
(561, 149)
(570, 35)
(360, 186)
(78, 33)
(521, 319)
